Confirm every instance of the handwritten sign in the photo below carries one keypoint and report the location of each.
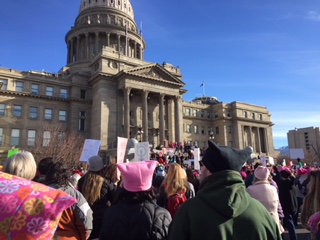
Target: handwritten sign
(90, 148)
(121, 149)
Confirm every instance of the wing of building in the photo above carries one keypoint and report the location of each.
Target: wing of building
(107, 89)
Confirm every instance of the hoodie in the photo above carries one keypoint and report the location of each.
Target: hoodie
(222, 210)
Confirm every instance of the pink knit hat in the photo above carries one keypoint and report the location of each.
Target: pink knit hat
(262, 173)
(137, 176)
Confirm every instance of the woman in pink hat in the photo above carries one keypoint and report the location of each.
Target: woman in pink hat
(135, 215)
(265, 193)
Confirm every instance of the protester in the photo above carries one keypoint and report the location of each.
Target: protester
(222, 208)
(288, 200)
(75, 222)
(311, 203)
(22, 164)
(264, 192)
(159, 176)
(98, 191)
(301, 190)
(193, 179)
(42, 169)
(175, 189)
(135, 215)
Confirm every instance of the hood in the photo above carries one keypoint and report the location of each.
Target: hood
(225, 192)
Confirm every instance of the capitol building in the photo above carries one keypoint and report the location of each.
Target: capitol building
(107, 89)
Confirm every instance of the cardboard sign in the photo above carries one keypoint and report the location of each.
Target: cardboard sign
(142, 151)
(121, 149)
(196, 155)
(91, 148)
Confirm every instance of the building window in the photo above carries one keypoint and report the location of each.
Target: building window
(260, 116)
(63, 93)
(82, 93)
(187, 111)
(62, 115)
(35, 88)
(202, 130)
(188, 128)
(208, 114)
(230, 129)
(196, 129)
(19, 86)
(48, 114)
(31, 138)
(217, 130)
(15, 137)
(49, 91)
(17, 111)
(46, 138)
(253, 116)
(202, 114)
(2, 109)
(245, 114)
(82, 118)
(216, 115)
(1, 136)
(228, 114)
(195, 112)
(4, 84)
(33, 112)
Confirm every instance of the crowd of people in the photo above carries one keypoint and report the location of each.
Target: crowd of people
(162, 198)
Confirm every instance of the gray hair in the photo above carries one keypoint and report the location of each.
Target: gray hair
(22, 165)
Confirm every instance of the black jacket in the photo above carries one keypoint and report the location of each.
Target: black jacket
(143, 221)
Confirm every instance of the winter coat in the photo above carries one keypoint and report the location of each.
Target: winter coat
(287, 196)
(107, 195)
(223, 210)
(268, 196)
(75, 222)
(135, 221)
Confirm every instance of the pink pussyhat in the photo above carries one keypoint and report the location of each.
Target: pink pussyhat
(137, 176)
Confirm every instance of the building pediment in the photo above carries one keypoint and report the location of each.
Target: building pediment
(153, 72)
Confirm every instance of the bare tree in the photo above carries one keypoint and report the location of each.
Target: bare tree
(59, 144)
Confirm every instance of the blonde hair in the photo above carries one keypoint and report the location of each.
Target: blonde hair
(91, 188)
(22, 165)
(176, 180)
(311, 202)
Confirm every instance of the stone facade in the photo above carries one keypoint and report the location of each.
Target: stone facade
(107, 90)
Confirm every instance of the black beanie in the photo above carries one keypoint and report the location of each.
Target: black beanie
(219, 158)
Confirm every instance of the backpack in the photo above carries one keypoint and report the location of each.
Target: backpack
(175, 201)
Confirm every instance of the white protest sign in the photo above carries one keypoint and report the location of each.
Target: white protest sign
(142, 151)
(90, 148)
(296, 153)
(121, 149)
(264, 160)
(196, 155)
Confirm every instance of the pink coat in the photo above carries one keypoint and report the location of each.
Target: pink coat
(268, 196)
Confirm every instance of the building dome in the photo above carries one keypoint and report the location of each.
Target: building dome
(120, 5)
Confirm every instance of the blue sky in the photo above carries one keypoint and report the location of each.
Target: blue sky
(265, 53)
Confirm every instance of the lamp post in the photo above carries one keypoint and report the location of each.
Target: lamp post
(139, 132)
(211, 135)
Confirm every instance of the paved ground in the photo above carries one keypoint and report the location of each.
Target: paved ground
(303, 234)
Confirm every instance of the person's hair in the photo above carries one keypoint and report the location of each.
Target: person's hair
(311, 202)
(59, 173)
(92, 184)
(22, 165)
(176, 180)
(124, 196)
(111, 172)
(44, 164)
(190, 176)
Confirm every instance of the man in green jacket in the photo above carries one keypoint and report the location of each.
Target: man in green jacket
(222, 208)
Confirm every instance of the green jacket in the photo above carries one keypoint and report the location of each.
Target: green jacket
(221, 210)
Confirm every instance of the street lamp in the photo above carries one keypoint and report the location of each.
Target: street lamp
(140, 132)
(211, 135)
